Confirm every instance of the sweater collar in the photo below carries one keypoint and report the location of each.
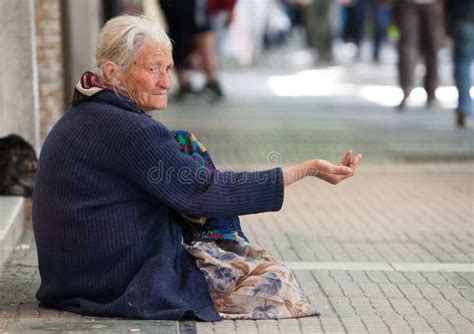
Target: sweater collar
(89, 88)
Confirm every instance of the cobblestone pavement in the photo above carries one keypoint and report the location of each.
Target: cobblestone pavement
(388, 251)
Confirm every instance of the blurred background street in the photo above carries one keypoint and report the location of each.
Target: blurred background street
(389, 251)
(302, 112)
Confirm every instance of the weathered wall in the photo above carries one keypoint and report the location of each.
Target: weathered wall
(18, 82)
(82, 20)
(34, 88)
(49, 59)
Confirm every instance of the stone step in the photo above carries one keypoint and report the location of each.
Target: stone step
(12, 221)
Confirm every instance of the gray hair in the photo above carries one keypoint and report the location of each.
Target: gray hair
(122, 37)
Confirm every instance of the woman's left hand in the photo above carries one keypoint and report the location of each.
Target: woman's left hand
(334, 174)
(323, 169)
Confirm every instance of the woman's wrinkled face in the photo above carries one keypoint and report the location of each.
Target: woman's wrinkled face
(148, 79)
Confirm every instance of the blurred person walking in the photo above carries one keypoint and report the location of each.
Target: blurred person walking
(354, 27)
(460, 26)
(248, 30)
(419, 22)
(206, 48)
(318, 23)
(222, 15)
(189, 24)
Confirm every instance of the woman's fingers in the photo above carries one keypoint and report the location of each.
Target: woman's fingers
(347, 158)
(355, 161)
(342, 170)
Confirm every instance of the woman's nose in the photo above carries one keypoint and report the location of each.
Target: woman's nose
(165, 82)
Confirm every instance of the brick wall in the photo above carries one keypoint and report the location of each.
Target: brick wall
(50, 68)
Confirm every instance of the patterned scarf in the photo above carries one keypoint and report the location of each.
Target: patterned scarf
(90, 85)
(222, 228)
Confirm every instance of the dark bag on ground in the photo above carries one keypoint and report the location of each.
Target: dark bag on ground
(18, 165)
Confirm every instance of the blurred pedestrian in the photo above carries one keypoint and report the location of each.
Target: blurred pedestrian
(318, 23)
(420, 23)
(248, 30)
(279, 24)
(460, 26)
(189, 24)
(354, 27)
(205, 43)
(222, 15)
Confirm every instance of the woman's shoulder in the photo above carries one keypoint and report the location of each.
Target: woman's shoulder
(107, 124)
(119, 114)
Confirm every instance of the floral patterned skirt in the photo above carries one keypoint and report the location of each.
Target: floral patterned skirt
(246, 282)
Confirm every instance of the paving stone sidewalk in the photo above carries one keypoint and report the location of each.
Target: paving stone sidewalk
(370, 219)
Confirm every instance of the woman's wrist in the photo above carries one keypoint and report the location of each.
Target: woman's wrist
(312, 167)
(300, 171)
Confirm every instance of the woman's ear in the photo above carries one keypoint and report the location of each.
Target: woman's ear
(110, 71)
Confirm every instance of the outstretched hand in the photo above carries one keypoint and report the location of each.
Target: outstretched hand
(323, 169)
(334, 174)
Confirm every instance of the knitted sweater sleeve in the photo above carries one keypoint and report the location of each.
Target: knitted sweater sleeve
(154, 162)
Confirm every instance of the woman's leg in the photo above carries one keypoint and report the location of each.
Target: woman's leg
(179, 14)
(408, 24)
(361, 12)
(380, 15)
(207, 49)
(430, 31)
(463, 56)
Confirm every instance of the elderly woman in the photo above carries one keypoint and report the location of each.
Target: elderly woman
(117, 192)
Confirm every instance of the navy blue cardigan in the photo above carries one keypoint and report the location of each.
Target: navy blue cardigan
(105, 216)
